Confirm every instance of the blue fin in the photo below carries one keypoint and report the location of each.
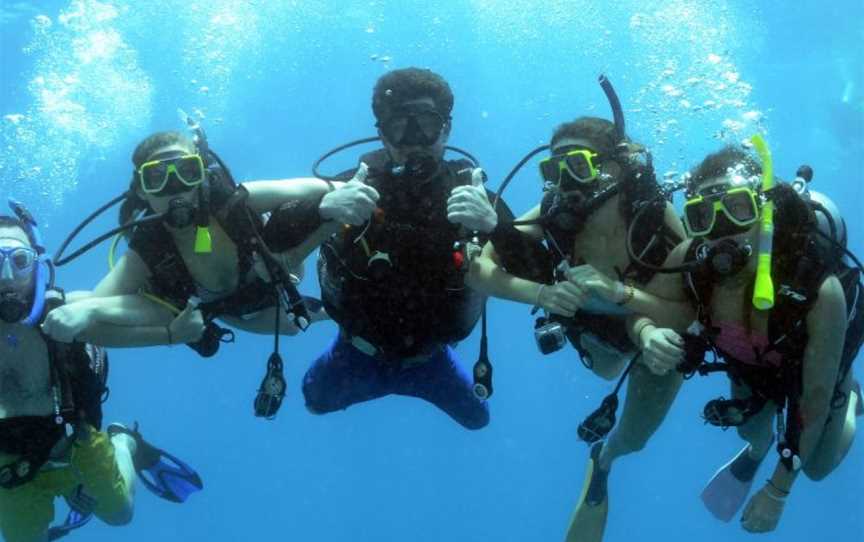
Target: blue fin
(163, 474)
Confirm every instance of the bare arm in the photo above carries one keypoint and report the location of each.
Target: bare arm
(488, 277)
(826, 331)
(265, 196)
(663, 301)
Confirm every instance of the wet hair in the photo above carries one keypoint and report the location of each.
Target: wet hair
(151, 143)
(720, 163)
(7, 221)
(145, 149)
(399, 86)
(600, 133)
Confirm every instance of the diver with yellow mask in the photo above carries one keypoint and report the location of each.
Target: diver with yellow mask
(773, 295)
(573, 257)
(202, 247)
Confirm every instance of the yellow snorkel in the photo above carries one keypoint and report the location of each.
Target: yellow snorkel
(763, 290)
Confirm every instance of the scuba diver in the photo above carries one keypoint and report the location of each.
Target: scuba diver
(51, 444)
(202, 247)
(773, 298)
(573, 256)
(394, 279)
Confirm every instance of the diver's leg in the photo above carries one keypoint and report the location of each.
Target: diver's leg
(758, 431)
(727, 490)
(839, 433)
(607, 362)
(444, 383)
(105, 476)
(649, 398)
(344, 376)
(27, 511)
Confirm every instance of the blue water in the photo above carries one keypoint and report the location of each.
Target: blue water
(277, 83)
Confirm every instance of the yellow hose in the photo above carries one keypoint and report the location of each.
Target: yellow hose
(763, 290)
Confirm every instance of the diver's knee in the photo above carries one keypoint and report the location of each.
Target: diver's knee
(606, 371)
(119, 518)
(817, 473)
(315, 398)
(478, 421)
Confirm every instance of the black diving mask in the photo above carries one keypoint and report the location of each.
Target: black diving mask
(413, 125)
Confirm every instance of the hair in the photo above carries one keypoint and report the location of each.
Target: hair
(599, 132)
(720, 164)
(7, 221)
(399, 86)
(151, 143)
(144, 150)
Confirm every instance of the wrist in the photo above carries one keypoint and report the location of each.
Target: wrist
(640, 335)
(775, 492)
(623, 292)
(538, 296)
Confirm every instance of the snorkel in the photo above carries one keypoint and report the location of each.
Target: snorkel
(44, 269)
(203, 240)
(763, 290)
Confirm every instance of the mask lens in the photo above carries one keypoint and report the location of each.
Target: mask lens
(190, 170)
(394, 129)
(549, 170)
(579, 166)
(153, 176)
(430, 125)
(21, 259)
(740, 207)
(699, 216)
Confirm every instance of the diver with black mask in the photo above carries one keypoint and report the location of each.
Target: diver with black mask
(394, 277)
(598, 185)
(202, 247)
(772, 300)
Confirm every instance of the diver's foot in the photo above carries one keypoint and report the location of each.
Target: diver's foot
(727, 490)
(597, 485)
(589, 518)
(143, 454)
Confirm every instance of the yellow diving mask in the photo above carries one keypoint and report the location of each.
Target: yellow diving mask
(578, 164)
(739, 205)
(188, 169)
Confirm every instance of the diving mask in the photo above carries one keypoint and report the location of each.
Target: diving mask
(578, 164)
(20, 260)
(415, 125)
(738, 205)
(155, 175)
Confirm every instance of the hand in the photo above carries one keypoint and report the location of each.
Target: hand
(188, 326)
(562, 298)
(762, 513)
(65, 323)
(352, 203)
(662, 349)
(595, 282)
(469, 206)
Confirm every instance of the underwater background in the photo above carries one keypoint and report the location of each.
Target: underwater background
(276, 83)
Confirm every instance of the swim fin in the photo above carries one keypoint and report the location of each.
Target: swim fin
(588, 522)
(74, 519)
(728, 488)
(163, 474)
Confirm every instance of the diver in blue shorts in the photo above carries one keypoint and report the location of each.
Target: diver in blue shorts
(394, 276)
